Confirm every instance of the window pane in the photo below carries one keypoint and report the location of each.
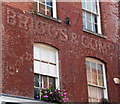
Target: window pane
(94, 73)
(52, 70)
(83, 3)
(52, 81)
(89, 77)
(88, 16)
(36, 66)
(88, 5)
(89, 92)
(36, 52)
(49, 11)
(100, 70)
(41, 8)
(84, 24)
(44, 79)
(36, 80)
(36, 93)
(95, 28)
(44, 68)
(83, 14)
(52, 56)
(93, 92)
(100, 93)
(93, 67)
(100, 79)
(88, 72)
(44, 54)
(94, 18)
(89, 26)
(94, 7)
(94, 79)
(88, 66)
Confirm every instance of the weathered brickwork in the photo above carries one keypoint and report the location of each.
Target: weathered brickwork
(21, 30)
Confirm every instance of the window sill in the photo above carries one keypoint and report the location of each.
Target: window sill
(96, 34)
(48, 17)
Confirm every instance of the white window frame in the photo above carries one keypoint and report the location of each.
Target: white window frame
(98, 17)
(104, 76)
(53, 6)
(57, 83)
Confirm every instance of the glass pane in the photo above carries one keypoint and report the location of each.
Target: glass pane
(44, 68)
(44, 79)
(52, 70)
(36, 80)
(100, 79)
(89, 77)
(52, 56)
(44, 54)
(84, 24)
(36, 52)
(94, 18)
(93, 67)
(94, 79)
(100, 70)
(95, 28)
(88, 5)
(40, 78)
(88, 66)
(52, 81)
(89, 26)
(83, 14)
(93, 92)
(41, 8)
(89, 91)
(83, 3)
(36, 66)
(88, 16)
(49, 11)
(88, 72)
(36, 93)
(94, 7)
(100, 93)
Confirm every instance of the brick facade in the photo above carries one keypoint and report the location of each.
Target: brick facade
(21, 30)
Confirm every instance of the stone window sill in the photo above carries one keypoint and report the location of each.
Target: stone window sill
(48, 17)
(96, 34)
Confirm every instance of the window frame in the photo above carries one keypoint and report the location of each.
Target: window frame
(99, 31)
(54, 14)
(57, 80)
(104, 76)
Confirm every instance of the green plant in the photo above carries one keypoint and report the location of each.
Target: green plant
(51, 94)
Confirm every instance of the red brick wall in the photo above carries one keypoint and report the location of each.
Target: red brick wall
(109, 15)
(22, 29)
